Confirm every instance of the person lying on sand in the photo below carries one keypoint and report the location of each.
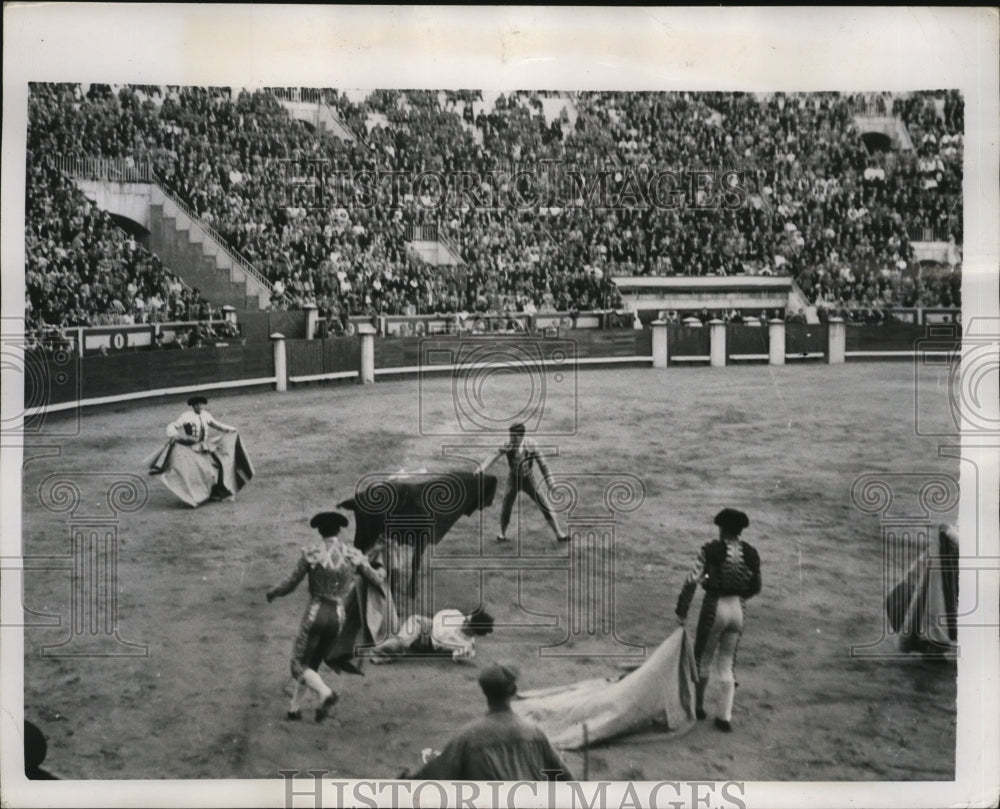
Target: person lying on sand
(449, 631)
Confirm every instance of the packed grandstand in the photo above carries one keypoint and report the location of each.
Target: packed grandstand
(818, 200)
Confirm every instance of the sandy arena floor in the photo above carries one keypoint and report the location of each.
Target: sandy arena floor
(784, 444)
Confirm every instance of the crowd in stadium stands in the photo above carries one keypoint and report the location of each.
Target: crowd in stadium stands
(81, 269)
(200, 334)
(818, 203)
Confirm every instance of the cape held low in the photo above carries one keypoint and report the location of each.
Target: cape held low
(659, 694)
(369, 617)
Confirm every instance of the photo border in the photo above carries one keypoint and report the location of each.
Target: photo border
(794, 49)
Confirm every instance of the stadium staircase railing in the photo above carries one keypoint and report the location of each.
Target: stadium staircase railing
(141, 173)
(240, 269)
(797, 300)
(452, 247)
(337, 126)
(307, 103)
(431, 233)
(116, 169)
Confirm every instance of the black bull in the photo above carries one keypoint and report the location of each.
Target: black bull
(416, 510)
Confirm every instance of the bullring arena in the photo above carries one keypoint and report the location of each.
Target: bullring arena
(207, 700)
(787, 346)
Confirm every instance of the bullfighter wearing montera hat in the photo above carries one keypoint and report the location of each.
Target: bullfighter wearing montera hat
(729, 571)
(203, 458)
(330, 565)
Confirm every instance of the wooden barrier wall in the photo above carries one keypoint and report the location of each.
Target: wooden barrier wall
(53, 378)
(685, 343)
(259, 326)
(806, 340)
(311, 358)
(747, 342)
(413, 352)
(897, 337)
(810, 341)
(57, 379)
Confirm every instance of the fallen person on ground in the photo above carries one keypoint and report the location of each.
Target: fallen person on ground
(449, 632)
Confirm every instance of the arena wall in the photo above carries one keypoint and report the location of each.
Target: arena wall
(61, 380)
(257, 327)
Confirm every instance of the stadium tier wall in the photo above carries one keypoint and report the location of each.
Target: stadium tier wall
(60, 380)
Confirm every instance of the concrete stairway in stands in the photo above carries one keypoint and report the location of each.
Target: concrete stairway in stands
(183, 243)
(436, 253)
(320, 116)
(195, 256)
(798, 302)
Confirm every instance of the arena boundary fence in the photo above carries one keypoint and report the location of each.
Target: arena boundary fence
(60, 380)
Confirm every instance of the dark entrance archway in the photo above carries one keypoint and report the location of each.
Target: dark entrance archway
(132, 228)
(876, 142)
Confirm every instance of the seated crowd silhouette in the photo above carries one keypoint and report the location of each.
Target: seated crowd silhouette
(819, 202)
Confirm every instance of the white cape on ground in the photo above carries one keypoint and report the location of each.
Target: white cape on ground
(659, 694)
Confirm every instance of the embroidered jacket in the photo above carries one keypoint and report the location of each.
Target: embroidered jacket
(722, 569)
(330, 570)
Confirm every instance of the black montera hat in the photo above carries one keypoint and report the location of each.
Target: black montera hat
(729, 519)
(328, 523)
(197, 400)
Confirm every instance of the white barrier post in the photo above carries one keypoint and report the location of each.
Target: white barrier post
(367, 359)
(312, 317)
(776, 341)
(836, 341)
(659, 343)
(717, 337)
(280, 362)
